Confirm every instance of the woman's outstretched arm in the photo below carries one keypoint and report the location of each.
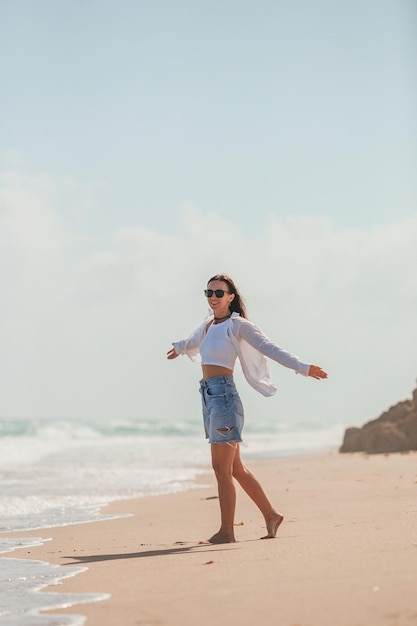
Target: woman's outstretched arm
(257, 339)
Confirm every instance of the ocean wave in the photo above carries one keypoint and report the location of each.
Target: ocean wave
(77, 429)
(55, 472)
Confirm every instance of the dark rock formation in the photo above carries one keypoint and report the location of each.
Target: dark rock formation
(394, 431)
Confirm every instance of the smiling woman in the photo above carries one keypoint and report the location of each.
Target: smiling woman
(225, 336)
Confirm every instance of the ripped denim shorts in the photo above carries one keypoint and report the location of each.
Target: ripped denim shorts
(222, 410)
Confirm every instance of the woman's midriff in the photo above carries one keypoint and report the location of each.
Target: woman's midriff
(211, 371)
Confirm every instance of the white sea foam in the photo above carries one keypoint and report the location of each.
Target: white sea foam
(20, 604)
(8, 544)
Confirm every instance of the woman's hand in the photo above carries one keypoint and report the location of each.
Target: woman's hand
(316, 372)
(172, 354)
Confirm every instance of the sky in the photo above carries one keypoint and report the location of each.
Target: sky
(147, 145)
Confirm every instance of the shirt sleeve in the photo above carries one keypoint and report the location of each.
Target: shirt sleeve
(257, 339)
(191, 345)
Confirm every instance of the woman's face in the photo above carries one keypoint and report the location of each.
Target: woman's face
(220, 306)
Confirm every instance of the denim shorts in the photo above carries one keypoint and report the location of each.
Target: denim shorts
(222, 410)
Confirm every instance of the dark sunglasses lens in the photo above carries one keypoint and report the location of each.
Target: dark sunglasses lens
(209, 292)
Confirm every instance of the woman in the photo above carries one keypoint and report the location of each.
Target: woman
(225, 335)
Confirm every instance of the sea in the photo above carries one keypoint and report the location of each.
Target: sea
(57, 472)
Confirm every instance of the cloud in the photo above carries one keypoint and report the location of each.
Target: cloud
(86, 321)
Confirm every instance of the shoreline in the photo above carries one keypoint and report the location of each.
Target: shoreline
(347, 540)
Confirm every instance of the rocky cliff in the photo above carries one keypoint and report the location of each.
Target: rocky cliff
(394, 431)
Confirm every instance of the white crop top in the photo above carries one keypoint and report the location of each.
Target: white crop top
(217, 347)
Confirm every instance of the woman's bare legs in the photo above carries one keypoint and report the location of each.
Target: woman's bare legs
(253, 488)
(222, 456)
(227, 465)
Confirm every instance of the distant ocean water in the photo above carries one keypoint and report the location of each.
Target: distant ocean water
(55, 472)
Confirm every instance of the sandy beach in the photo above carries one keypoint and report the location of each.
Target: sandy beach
(346, 554)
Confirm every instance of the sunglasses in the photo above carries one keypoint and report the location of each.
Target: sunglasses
(219, 292)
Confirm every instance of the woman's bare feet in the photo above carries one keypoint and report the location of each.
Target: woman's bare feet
(272, 525)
